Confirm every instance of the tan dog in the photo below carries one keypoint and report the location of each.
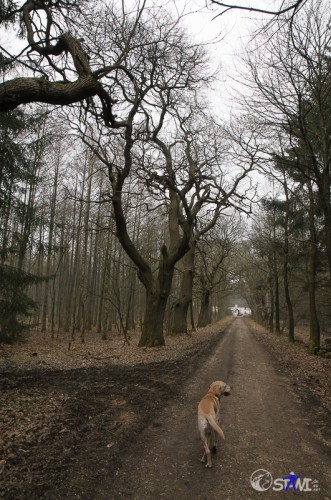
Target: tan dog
(208, 413)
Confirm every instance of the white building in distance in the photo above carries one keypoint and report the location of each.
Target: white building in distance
(240, 310)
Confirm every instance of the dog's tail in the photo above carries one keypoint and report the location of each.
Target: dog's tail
(212, 422)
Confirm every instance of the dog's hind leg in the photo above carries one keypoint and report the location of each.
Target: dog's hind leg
(206, 437)
(207, 454)
(214, 441)
(206, 441)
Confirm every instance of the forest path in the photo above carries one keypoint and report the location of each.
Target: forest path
(267, 426)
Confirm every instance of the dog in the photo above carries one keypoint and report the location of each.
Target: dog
(208, 414)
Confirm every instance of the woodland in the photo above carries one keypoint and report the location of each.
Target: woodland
(129, 203)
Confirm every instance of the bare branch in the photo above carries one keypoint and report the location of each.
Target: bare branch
(227, 7)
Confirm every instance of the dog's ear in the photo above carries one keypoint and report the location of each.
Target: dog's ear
(216, 388)
(227, 390)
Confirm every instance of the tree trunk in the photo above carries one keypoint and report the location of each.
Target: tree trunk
(152, 332)
(326, 205)
(185, 298)
(62, 274)
(276, 292)
(286, 269)
(44, 314)
(83, 292)
(192, 317)
(204, 315)
(272, 309)
(73, 253)
(327, 225)
(130, 320)
(106, 269)
(157, 294)
(288, 303)
(73, 318)
(314, 322)
(5, 223)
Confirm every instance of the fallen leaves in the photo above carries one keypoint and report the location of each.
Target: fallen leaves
(306, 367)
(41, 352)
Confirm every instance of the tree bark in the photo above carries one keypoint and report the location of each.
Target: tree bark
(25, 90)
(83, 293)
(185, 297)
(327, 223)
(272, 308)
(276, 282)
(204, 314)
(314, 322)
(44, 314)
(157, 294)
(286, 269)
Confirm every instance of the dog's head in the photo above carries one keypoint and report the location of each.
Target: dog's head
(220, 388)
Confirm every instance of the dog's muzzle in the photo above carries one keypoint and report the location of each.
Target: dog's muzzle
(227, 391)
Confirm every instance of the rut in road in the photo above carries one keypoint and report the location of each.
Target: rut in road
(266, 426)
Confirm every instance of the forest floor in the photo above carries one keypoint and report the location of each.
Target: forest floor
(105, 420)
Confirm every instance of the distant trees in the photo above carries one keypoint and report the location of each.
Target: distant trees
(65, 244)
(213, 268)
(229, 162)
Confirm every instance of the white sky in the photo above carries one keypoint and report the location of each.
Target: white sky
(230, 32)
(233, 30)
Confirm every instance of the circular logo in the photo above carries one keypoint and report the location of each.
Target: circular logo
(261, 480)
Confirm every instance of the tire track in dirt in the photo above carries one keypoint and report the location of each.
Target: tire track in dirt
(265, 422)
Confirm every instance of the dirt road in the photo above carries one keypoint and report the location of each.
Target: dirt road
(113, 432)
(267, 426)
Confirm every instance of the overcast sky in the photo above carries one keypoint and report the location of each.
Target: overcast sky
(232, 31)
